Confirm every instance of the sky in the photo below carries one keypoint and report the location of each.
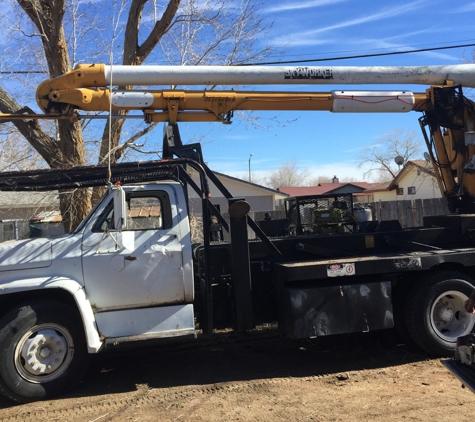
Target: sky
(323, 143)
(329, 144)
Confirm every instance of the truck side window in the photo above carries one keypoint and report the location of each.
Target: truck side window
(105, 220)
(145, 211)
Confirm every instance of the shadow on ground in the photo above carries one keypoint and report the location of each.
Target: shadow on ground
(229, 357)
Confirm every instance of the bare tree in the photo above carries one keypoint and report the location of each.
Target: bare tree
(319, 179)
(17, 154)
(288, 174)
(380, 156)
(255, 178)
(327, 179)
(188, 32)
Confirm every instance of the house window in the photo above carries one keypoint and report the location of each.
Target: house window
(411, 190)
(400, 191)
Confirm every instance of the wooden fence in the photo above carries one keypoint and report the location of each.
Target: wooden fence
(20, 229)
(16, 229)
(409, 213)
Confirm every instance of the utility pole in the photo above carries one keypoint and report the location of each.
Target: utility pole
(250, 165)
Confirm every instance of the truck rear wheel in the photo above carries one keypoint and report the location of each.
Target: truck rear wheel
(42, 351)
(434, 311)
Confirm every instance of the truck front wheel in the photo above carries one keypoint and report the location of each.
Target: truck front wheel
(42, 351)
(434, 312)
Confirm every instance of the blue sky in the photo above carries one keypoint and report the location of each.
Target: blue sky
(328, 144)
(324, 143)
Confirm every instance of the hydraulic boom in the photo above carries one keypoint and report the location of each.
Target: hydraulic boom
(448, 115)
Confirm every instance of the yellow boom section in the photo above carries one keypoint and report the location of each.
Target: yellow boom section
(88, 87)
(185, 106)
(449, 116)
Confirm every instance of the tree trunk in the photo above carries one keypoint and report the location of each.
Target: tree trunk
(134, 54)
(69, 148)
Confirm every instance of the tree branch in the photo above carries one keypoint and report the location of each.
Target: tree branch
(31, 130)
(120, 151)
(160, 28)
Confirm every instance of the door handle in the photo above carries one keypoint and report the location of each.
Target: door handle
(166, 237)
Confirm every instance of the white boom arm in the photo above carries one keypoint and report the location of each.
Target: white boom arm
(449, 116)
(265, 75)
(87, 87)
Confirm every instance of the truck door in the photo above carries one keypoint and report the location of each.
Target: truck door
(146, 265)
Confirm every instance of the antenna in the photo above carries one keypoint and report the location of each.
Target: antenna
(399, 161)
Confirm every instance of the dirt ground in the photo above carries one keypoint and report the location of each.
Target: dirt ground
(261, 377)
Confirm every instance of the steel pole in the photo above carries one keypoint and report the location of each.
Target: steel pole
(250, 166)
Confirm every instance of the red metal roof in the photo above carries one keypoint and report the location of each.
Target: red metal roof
(323, 188)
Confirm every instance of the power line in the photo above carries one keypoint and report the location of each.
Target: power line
(22, 72)
(369, 50)
(359, 56)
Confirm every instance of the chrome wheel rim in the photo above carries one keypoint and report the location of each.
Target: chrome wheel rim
(44, 353)
(448, 317)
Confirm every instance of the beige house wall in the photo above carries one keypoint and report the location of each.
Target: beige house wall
(259, 198)
(425, 184)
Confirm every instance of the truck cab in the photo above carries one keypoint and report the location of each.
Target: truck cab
(124, 274)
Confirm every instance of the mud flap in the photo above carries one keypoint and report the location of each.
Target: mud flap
(465, 373)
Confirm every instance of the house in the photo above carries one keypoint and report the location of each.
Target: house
(416, 180)
(260, 198)
(358, 189)
(24, 205)
(24, 212)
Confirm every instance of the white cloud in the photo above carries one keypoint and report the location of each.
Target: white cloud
(383, 14)
(304, 37)
(375, 44)
(302, 5)
(441, 56)
(413, 33)
(286, 41)
(470, 7)
(342, 170)
(236, 166)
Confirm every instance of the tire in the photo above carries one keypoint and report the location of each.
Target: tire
(42, 351)
(434, 312)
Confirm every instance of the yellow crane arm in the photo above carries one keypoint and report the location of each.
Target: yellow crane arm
(180, 106)
(89, 86)
(449, 116)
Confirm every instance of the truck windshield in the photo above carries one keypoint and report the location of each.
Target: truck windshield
(88, 216)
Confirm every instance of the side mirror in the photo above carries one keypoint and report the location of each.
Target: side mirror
(120, 208)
